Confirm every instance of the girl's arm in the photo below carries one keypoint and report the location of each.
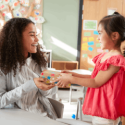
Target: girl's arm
(80, 75)
(101, 78)
(76, 74)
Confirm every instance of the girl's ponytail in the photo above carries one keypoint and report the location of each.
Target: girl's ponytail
(122, 37)
(116, 13)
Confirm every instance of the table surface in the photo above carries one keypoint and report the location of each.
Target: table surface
(21, 117)
(82, 71)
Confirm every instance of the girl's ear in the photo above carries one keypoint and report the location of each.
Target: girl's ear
(115, 36)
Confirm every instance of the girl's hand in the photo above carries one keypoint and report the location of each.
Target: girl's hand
(68, 71)
(65, 71)
(63, 80)
(41, 85)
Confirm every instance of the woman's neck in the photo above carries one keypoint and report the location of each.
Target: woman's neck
(26, 55)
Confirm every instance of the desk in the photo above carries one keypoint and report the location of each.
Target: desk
(21, 117)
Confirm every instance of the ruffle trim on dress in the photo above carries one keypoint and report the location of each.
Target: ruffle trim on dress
(96, 58)
(117, 60)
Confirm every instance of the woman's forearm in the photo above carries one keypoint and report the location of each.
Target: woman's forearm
(8, 97)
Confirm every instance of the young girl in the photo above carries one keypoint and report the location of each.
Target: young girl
(105, 97)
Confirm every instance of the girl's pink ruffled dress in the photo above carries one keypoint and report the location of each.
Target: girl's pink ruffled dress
(107, 101)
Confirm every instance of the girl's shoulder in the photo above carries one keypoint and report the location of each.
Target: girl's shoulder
(98, 57)
(115, 57)
(116, 60)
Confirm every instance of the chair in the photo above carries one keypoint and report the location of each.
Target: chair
(77, 121)
(79, 113)
(75, 87)
(79, 104)
(58, 106)
(79, 108)
(87, 119)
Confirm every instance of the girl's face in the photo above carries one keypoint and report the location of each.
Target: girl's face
(104, 39)
(29, 40)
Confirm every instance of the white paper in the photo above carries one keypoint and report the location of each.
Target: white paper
(111, 11)
(90, 25)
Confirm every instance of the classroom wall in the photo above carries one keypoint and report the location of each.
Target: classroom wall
(95, 10)
(60, 29)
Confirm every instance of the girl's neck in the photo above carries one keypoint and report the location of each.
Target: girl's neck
(115, 50)
(111, 52)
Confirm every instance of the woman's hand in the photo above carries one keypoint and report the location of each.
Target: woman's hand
(41, 85)
(63, 80)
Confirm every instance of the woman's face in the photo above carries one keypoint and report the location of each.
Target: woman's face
(29, 40)
(104, 39)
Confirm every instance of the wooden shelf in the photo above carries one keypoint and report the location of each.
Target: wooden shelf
(65, 65)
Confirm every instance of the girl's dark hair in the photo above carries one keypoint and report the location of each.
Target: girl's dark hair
(114, 23)
(11, 48)
(124, 53)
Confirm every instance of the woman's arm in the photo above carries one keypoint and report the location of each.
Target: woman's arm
(46, 90)
(50, 92)
(8, 97)
(16, 94)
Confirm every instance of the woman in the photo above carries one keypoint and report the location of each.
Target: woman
(21, 63)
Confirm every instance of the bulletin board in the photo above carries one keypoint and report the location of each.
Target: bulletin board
(31, 9)
(92, 13)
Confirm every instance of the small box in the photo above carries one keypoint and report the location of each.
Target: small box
(50, 76)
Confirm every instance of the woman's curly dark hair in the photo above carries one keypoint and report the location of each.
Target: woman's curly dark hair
(11, 48)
